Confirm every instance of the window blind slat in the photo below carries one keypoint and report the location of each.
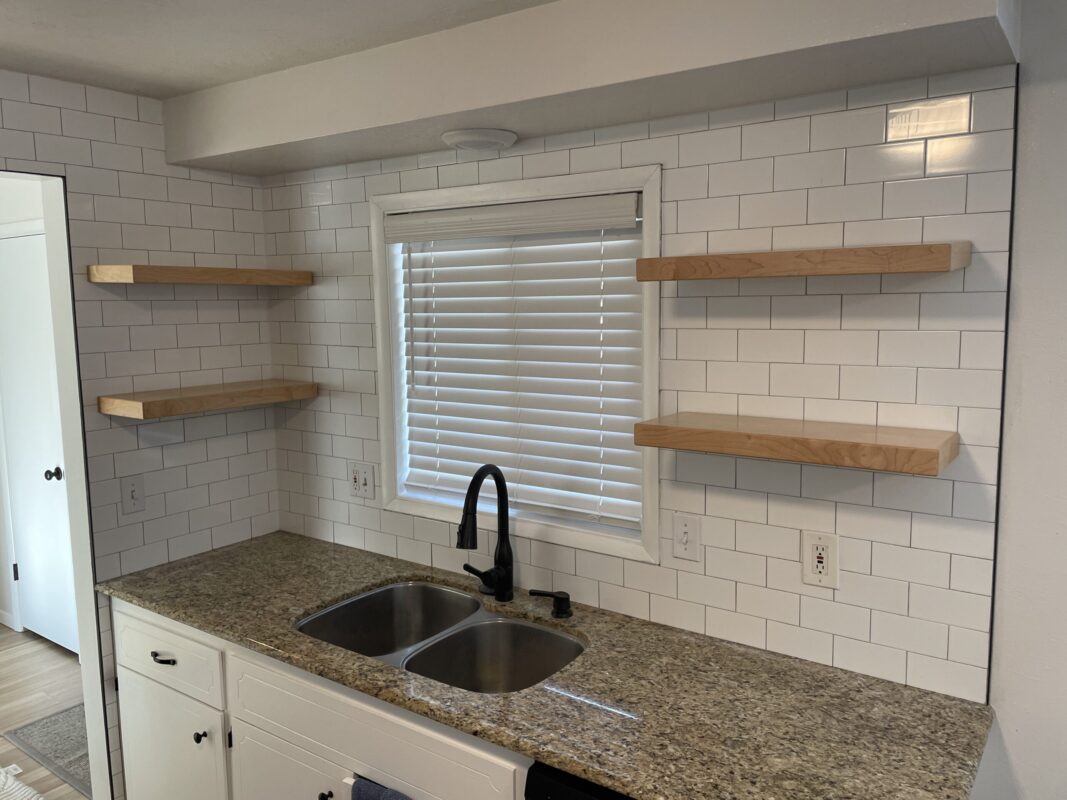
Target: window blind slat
(524, 351)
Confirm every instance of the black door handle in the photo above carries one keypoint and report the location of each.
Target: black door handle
(199, 737)
(167, 662)
(56, 473)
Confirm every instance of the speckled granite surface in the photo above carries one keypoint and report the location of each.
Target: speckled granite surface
(654, 712)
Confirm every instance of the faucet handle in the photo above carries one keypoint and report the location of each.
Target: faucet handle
(561, 602)
(488, 578)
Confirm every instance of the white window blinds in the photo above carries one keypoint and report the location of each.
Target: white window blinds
(523, 351)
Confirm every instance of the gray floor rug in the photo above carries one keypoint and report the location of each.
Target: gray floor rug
(58, 742)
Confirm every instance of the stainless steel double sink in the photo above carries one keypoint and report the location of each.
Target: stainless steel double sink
(446, 635)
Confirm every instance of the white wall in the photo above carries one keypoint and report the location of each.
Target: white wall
(20, 199)
(924, 351)
(1025, 760)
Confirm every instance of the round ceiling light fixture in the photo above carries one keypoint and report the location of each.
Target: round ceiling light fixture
(480, 139)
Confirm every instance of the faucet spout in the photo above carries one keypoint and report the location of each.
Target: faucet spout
(498, 581)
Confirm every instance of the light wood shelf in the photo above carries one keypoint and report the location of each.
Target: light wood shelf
(149, 273)
(938, 257)
(913, 451)
(195, 399)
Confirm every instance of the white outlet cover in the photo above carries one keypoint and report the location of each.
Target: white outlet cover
(687, 537)
(811, 573)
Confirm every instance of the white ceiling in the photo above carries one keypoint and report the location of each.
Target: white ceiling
(163, 48)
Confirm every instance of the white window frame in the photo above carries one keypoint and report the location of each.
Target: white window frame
(645, 180)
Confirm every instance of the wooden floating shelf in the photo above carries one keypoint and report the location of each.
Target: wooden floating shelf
(940, 257)
(194, 399)
(909, 450)
(147, 273)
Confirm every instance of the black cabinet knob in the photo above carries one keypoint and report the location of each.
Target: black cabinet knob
(199, 737)
(167, 662)
(56, 473)
(325, 795)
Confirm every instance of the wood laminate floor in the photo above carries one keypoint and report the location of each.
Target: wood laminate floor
(37, 678)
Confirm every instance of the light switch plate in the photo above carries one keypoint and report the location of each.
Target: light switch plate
(361, 479)
(687, 537)
(132, 489)
(820, 554)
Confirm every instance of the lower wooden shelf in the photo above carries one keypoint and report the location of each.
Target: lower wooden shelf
(914, 451)
(195, 399)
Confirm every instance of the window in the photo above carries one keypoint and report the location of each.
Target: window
(515, 333)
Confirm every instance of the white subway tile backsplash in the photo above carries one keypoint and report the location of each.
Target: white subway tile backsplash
(773, 208)
(809, 170)
(838, 618)
(741, 177)
(734, 627)
(859, 201)
(800, 642)
(865, 126)
(775, 138)
(709, 147)
(977, 152)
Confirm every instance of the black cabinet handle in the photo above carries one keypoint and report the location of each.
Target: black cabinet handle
(199, 737)
(325, 795)
(56, 473)
(167, 662)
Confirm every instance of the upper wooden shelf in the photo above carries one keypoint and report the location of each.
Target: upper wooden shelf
(147, 273)
(940, 257)
(195, 399)
(910, 450)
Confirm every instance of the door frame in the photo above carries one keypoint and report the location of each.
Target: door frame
(76, 479)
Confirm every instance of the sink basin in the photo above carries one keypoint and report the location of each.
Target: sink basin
(496, 655)
(391, 618)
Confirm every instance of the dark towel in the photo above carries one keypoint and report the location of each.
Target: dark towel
(364, 789)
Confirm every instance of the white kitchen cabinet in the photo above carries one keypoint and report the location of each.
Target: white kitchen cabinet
(162, 755)
(265, 766)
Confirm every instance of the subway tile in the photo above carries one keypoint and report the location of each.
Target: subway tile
(968, 647)
(14, 85)
(768, 345)
(741, 177)
(768, 476)
(809, 104)
(910, 493)
(989, 191)
(809, 312)
(907, 633)
(974, 501)
(892, 92)
(804, 513)
(838, 618)
(739, 312)
(879, 384)
(809, 170)
(865, 126)
(883, 231)
(919, 348)
(885, 162)
(631, 602)
(768, 540)
(974, 575)
(677, 613)
(29, 117)
(705, 468)
(737, 376)
(590, 159)
(707, 590)
(786, 576)
(959, 387)
(870, 659)
(711, 344)
(841, 347)
(708, 214)
(52, 92)
(912, 415)
(976, 152)
(869, 591)
(736, 504)
(834, 483)
(686, 183)
(926, 197)
(804, 380)
(952, 535)
(800, 642)
(649, 578)
(910, 564)
(804, 237)
(973, 80)
(860, 201)
(972, 311)
(672, 126)
(880, 312)
(993, 110)
(759, 601)
(63, 149)
(774, 208)
(932, 117)
(775, 138)
(734, 627)
(709, 147)
(950, 607)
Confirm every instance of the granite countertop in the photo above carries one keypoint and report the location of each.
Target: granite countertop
(651, 711)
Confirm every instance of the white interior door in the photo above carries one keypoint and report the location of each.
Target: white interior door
(33, 443)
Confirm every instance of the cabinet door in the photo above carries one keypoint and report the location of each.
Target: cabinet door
(162, 759)
(264, 766)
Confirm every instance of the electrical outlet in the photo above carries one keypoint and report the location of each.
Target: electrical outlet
(820, 559)
(361, 479)
(132, 489)
(687, 537)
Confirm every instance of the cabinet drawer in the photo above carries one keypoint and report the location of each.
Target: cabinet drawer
(197, 668)
(265, 766)
(389, 746)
